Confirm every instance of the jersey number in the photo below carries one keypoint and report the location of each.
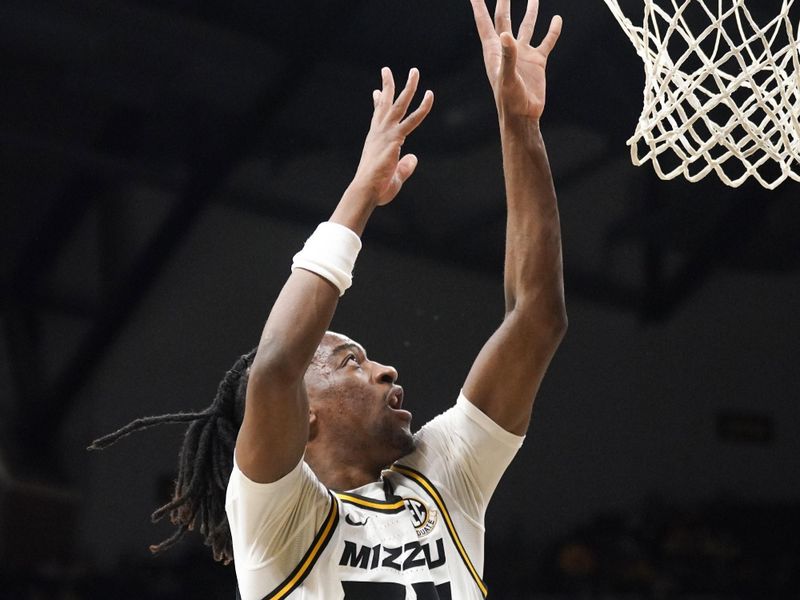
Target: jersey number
(370, 590)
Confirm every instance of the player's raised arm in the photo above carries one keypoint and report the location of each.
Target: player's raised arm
(506, 375)
(274, 432)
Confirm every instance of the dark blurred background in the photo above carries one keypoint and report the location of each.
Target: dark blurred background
(163, 160)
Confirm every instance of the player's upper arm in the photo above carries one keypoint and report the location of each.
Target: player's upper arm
(506, 375)
(274, 431)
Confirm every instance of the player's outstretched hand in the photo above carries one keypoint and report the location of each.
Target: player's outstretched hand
(516, 69)
(381, 171)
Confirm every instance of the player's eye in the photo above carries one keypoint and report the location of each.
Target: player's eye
(351, 358)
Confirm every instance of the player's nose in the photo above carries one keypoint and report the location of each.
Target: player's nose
(383, 373)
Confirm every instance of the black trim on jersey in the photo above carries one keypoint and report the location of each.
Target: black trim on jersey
(431, 490)
(388, 490)
(381, 506)
(324, 535)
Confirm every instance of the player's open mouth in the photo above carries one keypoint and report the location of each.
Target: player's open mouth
(394, 400)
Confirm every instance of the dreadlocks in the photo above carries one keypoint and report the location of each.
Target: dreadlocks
(204, 464)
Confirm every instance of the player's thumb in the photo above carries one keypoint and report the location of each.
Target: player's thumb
(405, 168)
(509, 56)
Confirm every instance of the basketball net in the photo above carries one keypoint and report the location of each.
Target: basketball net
(724, 96)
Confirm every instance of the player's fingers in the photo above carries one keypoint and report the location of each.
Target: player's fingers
(404, 98)
(509, 61)
(502, 16)
(412, 121)
(525, 33)
(387, 88)
(376, 97)
(482, 20)
(549, 41)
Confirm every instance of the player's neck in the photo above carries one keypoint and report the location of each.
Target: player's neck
(341, 473)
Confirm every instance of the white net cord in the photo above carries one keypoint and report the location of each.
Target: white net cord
(721, 93)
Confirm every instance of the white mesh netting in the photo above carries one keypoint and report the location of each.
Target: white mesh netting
(721, 90)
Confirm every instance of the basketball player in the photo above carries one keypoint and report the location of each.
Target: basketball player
(330, 495)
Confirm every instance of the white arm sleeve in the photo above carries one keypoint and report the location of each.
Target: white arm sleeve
(465, 452)
(273, 525)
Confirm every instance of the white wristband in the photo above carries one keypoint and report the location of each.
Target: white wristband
(331, 253)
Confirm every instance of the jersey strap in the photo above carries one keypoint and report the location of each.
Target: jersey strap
(381, 506)
(302, 570)
(425, 484)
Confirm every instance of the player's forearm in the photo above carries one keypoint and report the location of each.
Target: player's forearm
(304, 308)
(533, 265)
(355, 208)
(298, 319)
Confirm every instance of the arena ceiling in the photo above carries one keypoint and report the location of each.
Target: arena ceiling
(122, 121)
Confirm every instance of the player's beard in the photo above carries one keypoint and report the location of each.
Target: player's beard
(399, 440)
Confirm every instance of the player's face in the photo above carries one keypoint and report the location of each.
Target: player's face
(359, 399)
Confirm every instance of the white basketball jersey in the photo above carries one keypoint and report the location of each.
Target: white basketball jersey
(416, 534)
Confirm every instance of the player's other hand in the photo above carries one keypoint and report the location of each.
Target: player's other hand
(382, 171)
(516, 70)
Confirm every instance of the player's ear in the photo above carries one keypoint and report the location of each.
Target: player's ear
(312, 424)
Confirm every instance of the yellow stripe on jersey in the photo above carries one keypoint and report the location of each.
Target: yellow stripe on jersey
(377, 505)
(307, 562)
(434, 494)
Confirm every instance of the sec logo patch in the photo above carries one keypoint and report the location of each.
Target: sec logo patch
(423, 517)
